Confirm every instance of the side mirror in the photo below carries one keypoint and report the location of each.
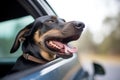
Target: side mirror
(98, 69)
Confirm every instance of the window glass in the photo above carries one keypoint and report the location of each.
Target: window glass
(8, 32)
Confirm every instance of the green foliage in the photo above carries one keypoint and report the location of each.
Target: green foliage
(111, 43)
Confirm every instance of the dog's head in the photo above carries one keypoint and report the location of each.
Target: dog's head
(48, 36)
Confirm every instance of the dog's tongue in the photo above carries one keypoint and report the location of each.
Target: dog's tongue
(69, 50)
(65, 48)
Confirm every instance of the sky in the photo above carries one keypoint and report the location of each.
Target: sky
(91, 12)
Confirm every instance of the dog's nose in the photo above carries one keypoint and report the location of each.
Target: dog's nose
(79, 25)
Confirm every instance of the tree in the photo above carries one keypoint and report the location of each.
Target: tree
(111, 43)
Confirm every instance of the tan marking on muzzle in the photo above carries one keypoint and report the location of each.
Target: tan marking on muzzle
(47, 55)
(37, 36)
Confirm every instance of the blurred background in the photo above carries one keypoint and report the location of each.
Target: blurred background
(100, 40)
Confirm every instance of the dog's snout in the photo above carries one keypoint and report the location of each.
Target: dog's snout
(79, 25)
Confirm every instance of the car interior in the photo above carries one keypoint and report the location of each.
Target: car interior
(10, 10)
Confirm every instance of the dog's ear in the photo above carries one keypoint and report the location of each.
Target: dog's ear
(24, 33)
(20, 38)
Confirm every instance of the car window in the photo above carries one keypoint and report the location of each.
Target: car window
(8, 32)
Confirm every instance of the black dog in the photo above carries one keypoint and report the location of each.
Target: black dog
(44, 40)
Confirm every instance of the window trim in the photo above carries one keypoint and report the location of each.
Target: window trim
(37, 8)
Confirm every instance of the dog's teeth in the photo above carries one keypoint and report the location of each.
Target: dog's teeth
(50, 42)
(57, 47)
(53, 45)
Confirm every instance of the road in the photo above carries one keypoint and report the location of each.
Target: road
(110, 63)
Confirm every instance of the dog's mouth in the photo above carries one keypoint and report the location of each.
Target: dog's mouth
(60, 45)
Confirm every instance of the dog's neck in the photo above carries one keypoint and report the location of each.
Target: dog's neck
(33, 59)
(45, 57)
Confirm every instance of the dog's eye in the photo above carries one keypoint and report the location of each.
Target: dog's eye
(51, 21)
